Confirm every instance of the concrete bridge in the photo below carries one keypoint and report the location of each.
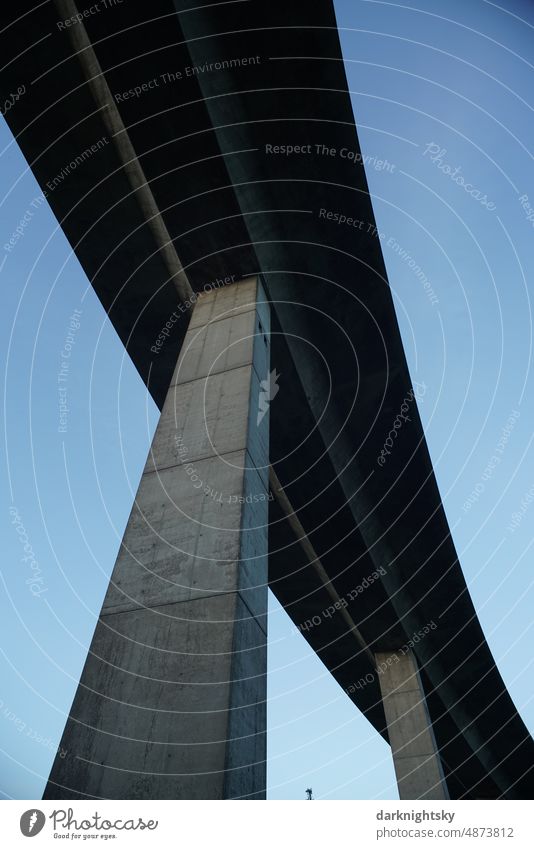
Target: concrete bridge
(204, 165)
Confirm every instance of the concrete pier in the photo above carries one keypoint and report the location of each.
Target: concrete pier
(171, 702)
(415, 755)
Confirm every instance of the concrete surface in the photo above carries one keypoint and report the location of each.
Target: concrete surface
(415, 756)
(171, 702)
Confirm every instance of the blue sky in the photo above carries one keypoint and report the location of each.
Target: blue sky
(441, 98)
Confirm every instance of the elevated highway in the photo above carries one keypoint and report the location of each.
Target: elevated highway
(240, 120)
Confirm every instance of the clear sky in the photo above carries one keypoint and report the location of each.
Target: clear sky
(445, 100)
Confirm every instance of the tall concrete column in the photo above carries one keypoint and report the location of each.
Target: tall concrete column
(171, 702)
(415, 755)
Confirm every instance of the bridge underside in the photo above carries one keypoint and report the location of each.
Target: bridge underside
(235, 209)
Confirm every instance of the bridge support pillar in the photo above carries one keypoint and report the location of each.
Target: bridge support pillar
(415, 755)
(172, 699)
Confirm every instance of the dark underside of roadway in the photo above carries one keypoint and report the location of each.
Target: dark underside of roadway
(234, 208)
